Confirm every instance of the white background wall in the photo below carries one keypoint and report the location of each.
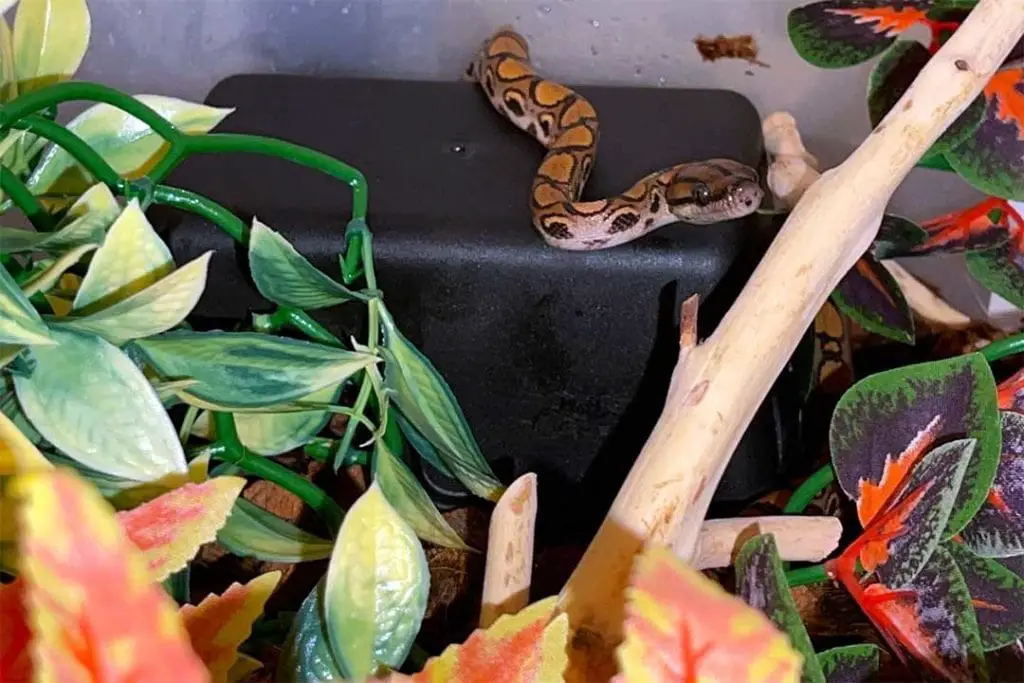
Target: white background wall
(183, 47)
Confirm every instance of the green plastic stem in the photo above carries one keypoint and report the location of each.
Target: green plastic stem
(806, 576)
(235, 453)
(25, 200)
(201, 206)
(809, 489)
(1002, 348)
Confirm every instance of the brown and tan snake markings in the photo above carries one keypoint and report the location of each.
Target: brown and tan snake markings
(699, 192)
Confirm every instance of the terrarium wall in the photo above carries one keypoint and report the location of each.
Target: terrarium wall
(184, 47)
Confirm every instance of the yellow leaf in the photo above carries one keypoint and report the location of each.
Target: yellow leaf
(46, 279)
(17, 453)
(242, 667)
(50, 39)
(219, 624)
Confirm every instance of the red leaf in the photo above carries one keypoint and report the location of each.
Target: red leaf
(1002, 88)
(15, 636)
(888, 20)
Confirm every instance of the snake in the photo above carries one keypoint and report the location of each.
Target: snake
(566, 123)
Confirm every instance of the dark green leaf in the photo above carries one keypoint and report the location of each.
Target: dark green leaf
(906, 532)
(992, 159)
(177, 585)
(997, 595)
(849, 664)
(761, 582)
(897, 236)
(251, 531)
(997, 530)
(248, 369)
(427, 402)
(284, 276)
(893, 75)
(999, 270)
(839, 33)
(420, 444)
(870, 295)
(886, 421)
(306, 655)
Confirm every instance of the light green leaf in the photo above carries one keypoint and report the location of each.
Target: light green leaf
(50, 39)
(248, 369)
(46, 279)
(376, 589)
(276, 433)
(251, 531)
(427, 402)
(155, 309)
(85, 222)
(285, 277)
(20, 323)
(8, 82)
(88, 399)
(128, 145)
(132, 258)
(405, 494)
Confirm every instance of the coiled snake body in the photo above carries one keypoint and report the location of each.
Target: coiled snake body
(700, 192)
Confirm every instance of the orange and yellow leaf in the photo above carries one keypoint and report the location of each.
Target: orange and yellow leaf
(170, 529)
(219, 624)
(682, 626)
(95, 612)
(526, 647)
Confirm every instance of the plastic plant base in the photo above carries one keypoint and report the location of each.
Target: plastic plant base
(560, 360)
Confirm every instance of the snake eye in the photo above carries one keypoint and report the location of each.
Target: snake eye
(701, 194)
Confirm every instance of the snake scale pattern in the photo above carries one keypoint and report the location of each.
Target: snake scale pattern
(699, 192)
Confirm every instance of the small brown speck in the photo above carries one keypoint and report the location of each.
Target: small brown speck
(729, 47)
(907, 104)
(961, 65)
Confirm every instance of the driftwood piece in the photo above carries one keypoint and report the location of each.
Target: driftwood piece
(799, 538)
(509, 563)
(717, 386)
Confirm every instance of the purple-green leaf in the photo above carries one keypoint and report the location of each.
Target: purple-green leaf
(992, 158)
(997, 595)
(870, 295)
(887, 421)
(999, 269)
(907, 531)
(850, 663)
(897, 236)
(839, 33)
(997, 530)
(761, 582)
(893, 75)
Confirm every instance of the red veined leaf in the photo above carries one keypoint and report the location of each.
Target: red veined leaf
(15, 636)
(1010, 392)
(838, 33)
(997, 595)
(931, 618)
(95, 612)
(992, 159)
(998, 528)
(219, 624)
(526, 647)
(171, 528)
(987, 224)
(681, 626)
(901, 538)
(886, 421)
(869, 294)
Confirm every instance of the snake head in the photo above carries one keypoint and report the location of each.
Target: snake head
(714, 190)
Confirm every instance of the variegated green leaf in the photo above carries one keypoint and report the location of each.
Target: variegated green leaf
(376, 589)
(270, 433)
(407, 497)
(251, 531)
(47, 278)
(50, 39)
(155, 309)
(284, 276)
(88, 399)
(248, 369)
(132, 258)
(128, 145)
(20, 323)
(427, 402)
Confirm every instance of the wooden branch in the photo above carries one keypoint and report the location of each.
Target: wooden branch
(799, 538)
(715, 391)
(509, 563)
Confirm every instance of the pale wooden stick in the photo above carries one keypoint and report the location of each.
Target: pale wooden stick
(715, 392)
(927, 304)
(509, 563)
(799, 538)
